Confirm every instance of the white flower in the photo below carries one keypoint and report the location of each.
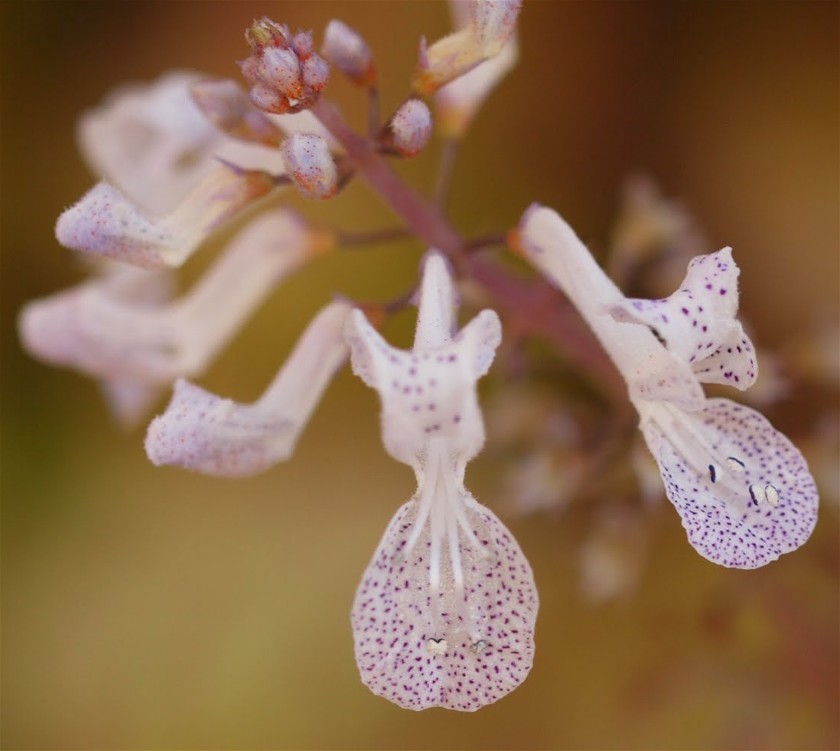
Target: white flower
(445, 613)
(458, 102)
(486, 27)
(215, 436)
(171, 178)
(743, 491)
(104, 328)
(153, 144)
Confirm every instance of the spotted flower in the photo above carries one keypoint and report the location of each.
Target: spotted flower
(445, 612)
(216, 436)
(742, 489)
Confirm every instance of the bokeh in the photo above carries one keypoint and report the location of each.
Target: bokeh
(152, 608)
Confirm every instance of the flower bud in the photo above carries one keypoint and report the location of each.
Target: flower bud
(409, 129)
(316, 73)
(285, 74)
(345, 49)
(279, 69)
(310, 165)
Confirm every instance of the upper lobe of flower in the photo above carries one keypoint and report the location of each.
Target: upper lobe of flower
(697, 323)
(428, 392)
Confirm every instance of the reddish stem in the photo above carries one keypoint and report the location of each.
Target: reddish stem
(536, 306)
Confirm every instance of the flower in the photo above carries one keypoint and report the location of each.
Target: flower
(486, 27)
(180, 158)
(742, 489)
(445, 612)
(458, 102)
(215, 436)
(107, 328)
(154, 145)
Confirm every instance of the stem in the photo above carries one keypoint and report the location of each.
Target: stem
(357, 239)
(373, 111)
(537, 306)
(446, 168)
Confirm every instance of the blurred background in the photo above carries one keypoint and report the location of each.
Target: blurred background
(152, 608)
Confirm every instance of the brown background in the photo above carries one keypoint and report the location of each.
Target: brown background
(147, 608)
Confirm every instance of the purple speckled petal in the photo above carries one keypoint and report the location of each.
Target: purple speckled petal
(696, 319)
(418, 655)
(733, 363)
(216, 436)
(742, 489)
(426, 394)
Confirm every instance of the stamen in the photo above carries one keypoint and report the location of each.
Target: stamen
(734, 464)
(757, 493)
(713, 470)
(437, 646)
(772, 495)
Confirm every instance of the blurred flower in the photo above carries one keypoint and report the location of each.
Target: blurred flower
(445, 613)
(458, 102)
(490, 24)
(612, 556)
(348, 51)
(742, 489)
(103, 328)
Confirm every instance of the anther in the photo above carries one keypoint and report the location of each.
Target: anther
(757, 493)
(437, 646)
(478, 647)
(734, 464)
(772, 495)
(713, 472)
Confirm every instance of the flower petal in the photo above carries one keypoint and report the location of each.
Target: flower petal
(99, 332)
(733, 363)
(106, 224)
(154, 145)
(742, 489)
(458, 102)
(437, 306)
(216, 436)
(697, 318)
(405, 657)
(651, 371)
(425, 394)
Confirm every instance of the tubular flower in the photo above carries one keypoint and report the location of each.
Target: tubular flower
(742, 490)
(486, 27)
(215, 436)
(458, 102)
(445, 612)
(101, 329)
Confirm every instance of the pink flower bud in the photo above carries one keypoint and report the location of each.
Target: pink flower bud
(279, 69)
(345, 49)
(410, 128)
(316, 73)
(286, 75)
(310, 165)
(302, 44)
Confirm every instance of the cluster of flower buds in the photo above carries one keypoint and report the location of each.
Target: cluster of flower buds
(285, 73)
